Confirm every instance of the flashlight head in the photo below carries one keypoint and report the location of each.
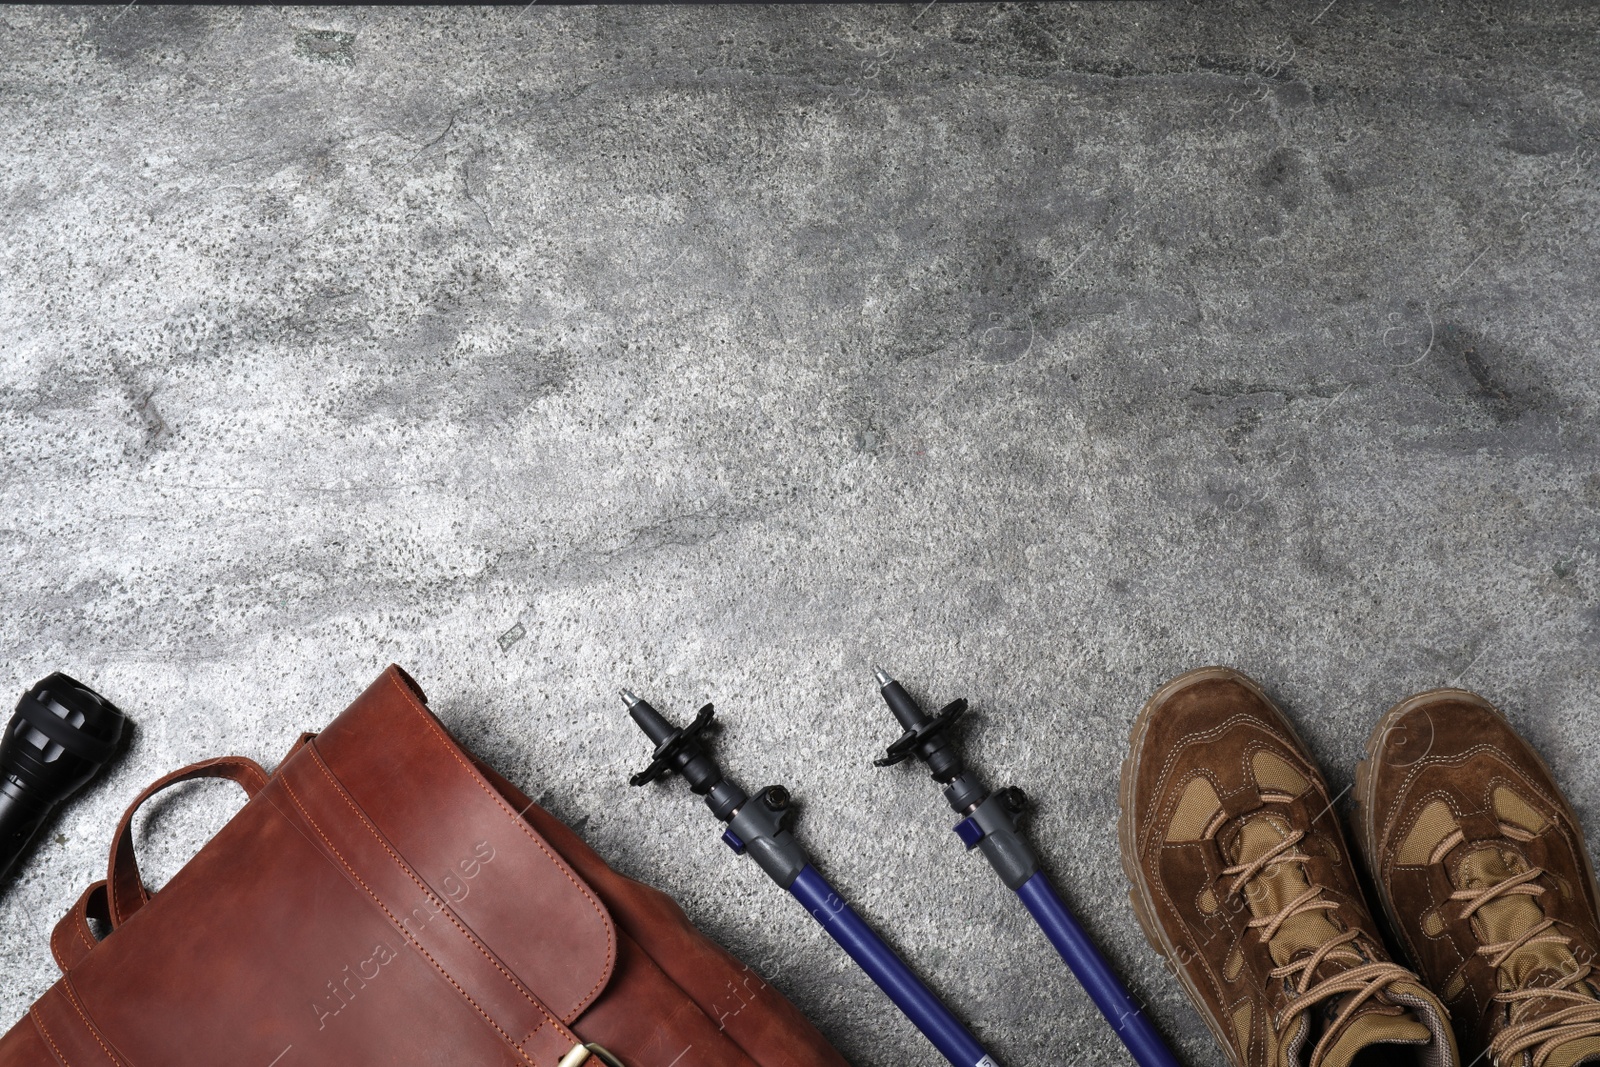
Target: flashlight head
(60, 736)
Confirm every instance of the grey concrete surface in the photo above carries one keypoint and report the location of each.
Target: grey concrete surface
(1037, 353)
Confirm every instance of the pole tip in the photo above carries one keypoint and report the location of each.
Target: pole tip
(882, 676)
(629, 697)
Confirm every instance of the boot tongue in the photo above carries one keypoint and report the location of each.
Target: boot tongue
(1509, 917)
(1277, 885)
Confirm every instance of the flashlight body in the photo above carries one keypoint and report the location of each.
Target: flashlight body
(21, 816)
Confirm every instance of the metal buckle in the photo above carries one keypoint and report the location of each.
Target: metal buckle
(582, 1053)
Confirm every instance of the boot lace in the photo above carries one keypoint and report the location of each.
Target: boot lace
(1364, 980)
(1529, 1028)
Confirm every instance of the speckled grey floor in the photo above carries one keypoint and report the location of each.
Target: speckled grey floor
(1038, 353)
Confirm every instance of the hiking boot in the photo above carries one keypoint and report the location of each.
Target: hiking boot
(1480, 864)
(1241, 879)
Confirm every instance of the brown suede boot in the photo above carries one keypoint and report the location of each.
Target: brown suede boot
(1480, 864)
(1241, 879)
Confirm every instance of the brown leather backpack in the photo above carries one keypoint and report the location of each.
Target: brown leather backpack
(383, 898)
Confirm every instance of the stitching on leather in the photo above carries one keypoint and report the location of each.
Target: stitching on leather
(79, 913)
(283, 780)
(1229, 1010)
(38, 1021)
(117, 918)
(1391, 859)
(1211, 976)
(94, 1031)
(1468, 988)
(1387, 864)
(1465, 960)
(1160, 885)
(1446, 938)
(1141, 840)
(1307, 771)
(433, 897)
(1184, 742)
(452, 748)
(391, 916)
(1462, 757)
(1175, 797)
(1502, 780)
(124, 838)
(1247, 772)
(81, 927)
(55, 945)
(1560, 821)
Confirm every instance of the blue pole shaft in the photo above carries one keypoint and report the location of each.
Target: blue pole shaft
(952, 1039)
(1095, 974)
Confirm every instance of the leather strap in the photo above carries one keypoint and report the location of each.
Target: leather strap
(126, 892)
(1478, 828)
(1241, 802)
(63, 1021)
(74, 937)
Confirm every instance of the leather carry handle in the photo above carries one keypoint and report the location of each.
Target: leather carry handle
(126, 892)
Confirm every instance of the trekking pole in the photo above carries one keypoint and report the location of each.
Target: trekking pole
(989, 824)
(758, 827)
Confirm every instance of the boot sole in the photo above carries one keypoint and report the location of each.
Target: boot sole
(1366, 803)
(1127, 833)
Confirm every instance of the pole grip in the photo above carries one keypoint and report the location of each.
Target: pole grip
(909, 994)
(1094, 973)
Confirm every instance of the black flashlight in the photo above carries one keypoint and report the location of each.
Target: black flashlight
(63, 732)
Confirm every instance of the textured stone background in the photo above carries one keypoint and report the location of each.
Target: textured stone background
(1038, 353)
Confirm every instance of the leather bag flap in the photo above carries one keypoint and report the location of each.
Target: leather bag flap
(377, 901)
(462, 838)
